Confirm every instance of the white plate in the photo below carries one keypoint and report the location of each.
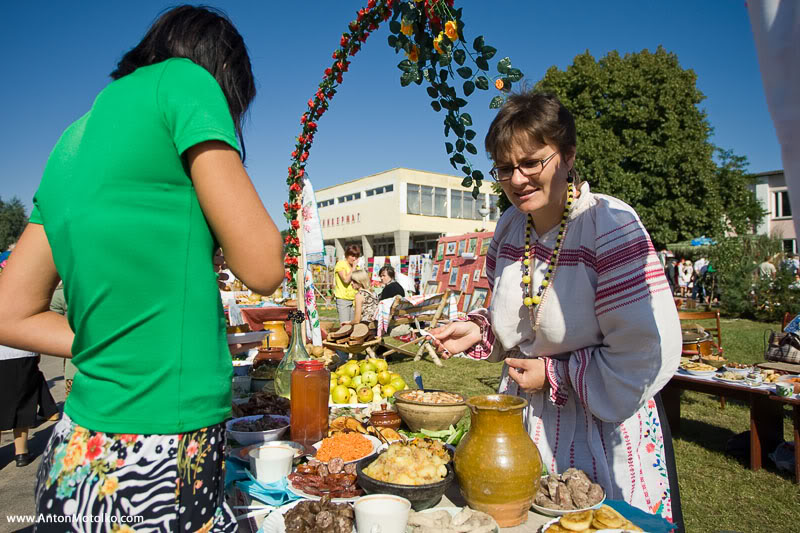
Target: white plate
(742, 371)
(243, 338)
(731, 381)
(274, 522)
(304, 494)
(376, 443)
(555, 520)
(452, 510)
(698, 373)
(559, 512)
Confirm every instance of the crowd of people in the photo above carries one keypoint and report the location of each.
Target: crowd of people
(690, 279)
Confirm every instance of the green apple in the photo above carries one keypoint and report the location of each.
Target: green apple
(398, 383)
(350, 368)
(344, 380)
(369, 378)
(388, 391)
(353, 398)
(366, 365)
(334, 382)
(380, 365)
(384, 377)
(364, 394)
(340, 394)
(376, 392)
(356, 381)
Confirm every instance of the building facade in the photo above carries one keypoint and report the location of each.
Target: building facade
(772, 193)
(402, 211)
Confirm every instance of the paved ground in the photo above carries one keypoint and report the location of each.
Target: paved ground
(16, 484)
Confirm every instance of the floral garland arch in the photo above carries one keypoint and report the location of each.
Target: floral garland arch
(430, 32)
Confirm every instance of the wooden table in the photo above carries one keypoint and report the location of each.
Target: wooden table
(766, 412)
(795, 403)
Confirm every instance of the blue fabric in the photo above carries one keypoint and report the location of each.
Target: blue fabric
(649, 522)
(4, 255)
(275, 494)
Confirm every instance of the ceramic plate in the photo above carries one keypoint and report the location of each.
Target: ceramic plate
(373, 440)
(731, 381)
(452, 510)
(555, 520)
(250, 336)
(274, 522)
(698, 373)
(743, 371)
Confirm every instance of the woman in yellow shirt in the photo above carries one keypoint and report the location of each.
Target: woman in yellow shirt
(343, 290)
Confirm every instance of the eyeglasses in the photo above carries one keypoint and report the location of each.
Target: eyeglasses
(528, 168)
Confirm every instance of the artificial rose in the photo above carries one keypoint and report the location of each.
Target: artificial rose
(285, 206)
(353, 26)
(311, 103)
(304, 157)
(295, 186)
(413, 55)
(301, 139)
(344, 40)
(406, 29)
(295, 224)
(338, 80)
(301, 173)
(312, 125)
(437, 43)
(371, 4)
(499, 84)
(328, 72)
(451, 30)
(294, 154)
(295, 206)
(304, 117)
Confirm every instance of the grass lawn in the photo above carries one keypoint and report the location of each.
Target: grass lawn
(718, 492)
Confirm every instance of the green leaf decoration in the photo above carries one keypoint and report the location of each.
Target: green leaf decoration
(481, 63)
(459, 130)
(453, 162)
(445, 59)
(488, 52)
(515, 74)
(478, 43)
(469, 88)
(449, 147)
(476, 191)
(465, 72)
(460, 102)
(466, 182)
(417, 76)
(459, 158)
(477, 175)
(394, 26)
(460, 145)
(460, 56)
(466, 170)
(392, 40)
(406, 78)
(481, 82)
(466, 119)
(432, 92)
(446, 129)
(436, 106)
(443, 75)
(445, 104)
(503, 65)
(430, 74)
(496, 103)
(471, 149)
(406, 65)
(470, 134)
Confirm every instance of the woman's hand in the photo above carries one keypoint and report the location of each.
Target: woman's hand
(528, 373)
(455, 337)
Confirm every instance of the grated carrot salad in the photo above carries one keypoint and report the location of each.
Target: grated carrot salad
(347, 446)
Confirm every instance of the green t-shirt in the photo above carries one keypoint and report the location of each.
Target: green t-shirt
(130, 242)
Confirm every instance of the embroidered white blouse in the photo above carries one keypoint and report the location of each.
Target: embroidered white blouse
(610, 318)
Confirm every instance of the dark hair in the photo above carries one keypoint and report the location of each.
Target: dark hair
(207, 37)
(541, 117)
(352, 250)
(387, 270)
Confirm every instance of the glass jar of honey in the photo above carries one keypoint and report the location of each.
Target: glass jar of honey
(309, 401)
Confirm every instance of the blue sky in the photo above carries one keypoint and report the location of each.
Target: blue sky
(56, 57)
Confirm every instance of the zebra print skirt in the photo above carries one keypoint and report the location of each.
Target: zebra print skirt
(90, 481)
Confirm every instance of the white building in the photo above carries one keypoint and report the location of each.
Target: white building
(402, 211)
(773, 195)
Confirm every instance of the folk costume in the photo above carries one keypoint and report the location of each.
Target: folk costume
(606, 324)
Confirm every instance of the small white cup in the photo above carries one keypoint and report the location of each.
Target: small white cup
(271, 463)
(382, 513)
(784, 389)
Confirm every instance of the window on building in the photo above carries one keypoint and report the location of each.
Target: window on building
(380, 190)
(426, 200)
(790, 246)
(325, 203)
(463, 205)
(780, 204)
(349, 197)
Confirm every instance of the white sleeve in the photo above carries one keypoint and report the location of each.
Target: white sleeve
(638, 320)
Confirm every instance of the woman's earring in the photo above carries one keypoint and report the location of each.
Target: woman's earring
(571, 175)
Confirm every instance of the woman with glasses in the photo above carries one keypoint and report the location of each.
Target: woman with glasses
(581, 311)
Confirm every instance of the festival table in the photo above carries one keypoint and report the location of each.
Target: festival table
(766, 412)
(795, 403)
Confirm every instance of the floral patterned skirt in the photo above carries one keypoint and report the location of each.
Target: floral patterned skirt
(91, 481)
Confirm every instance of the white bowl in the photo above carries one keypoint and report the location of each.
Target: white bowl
(256, 437)
(242, 368)
(271, 463)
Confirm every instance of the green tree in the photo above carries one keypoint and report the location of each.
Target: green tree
(642, 138)
(12, 221)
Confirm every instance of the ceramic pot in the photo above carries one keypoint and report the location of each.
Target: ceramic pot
(277, 337)
(497, 464)
(386, 418)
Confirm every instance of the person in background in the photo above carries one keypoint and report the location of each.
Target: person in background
(698, 285)
(343, 290)
(365, 303)
(151, 179)
(588, 341)
(391, 287)
(58, 304)
(685, 272)
(766, 270)
(671, 272)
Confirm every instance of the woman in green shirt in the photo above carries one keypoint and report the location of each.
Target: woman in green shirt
(148, 184)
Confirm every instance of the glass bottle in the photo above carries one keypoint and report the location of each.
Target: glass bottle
(309, 402)
(296, 352)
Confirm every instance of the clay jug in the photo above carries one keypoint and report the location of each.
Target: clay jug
(277, 337)
(497, 464)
